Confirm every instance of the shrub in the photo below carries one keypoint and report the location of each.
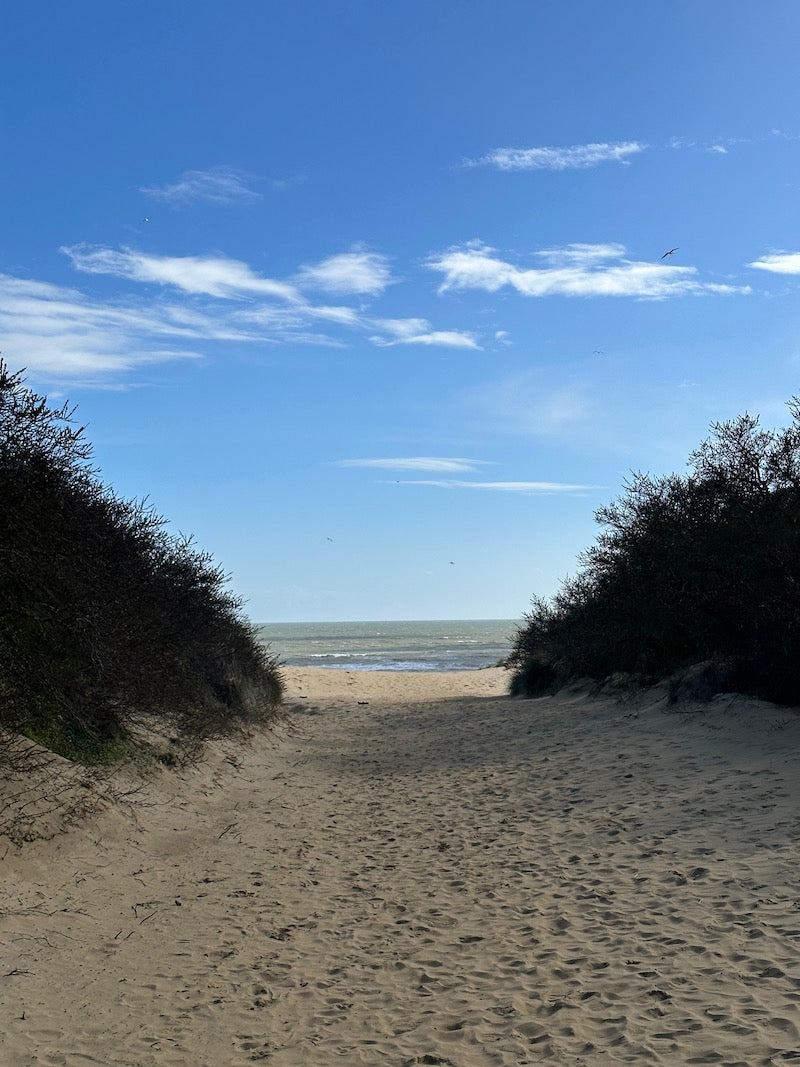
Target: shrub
(687, 568)
(105, 617)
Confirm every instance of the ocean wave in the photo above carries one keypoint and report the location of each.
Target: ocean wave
(399, 665)
(383, 646)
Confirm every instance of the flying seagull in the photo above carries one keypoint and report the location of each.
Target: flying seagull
(671, 252)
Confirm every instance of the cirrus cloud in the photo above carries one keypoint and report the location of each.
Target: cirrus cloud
(208, 275)
(778, 263)
(504, 487)
(575, 157)
(356, 272)
(586, 270)
(419, 332)
(218, 185)
(416, 463)
(63, 334)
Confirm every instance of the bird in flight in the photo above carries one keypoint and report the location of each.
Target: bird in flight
(671, 252)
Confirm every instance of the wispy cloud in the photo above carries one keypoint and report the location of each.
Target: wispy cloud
(504, 487)
(207, 275)
(282, 184)
(779, 263)
(576, 270)
(343, 316)
(719, 146)
(419, 332)
(575, 157)
(65, 334)
(356, 272)
(351, 273)
(218, 185)
(416, 463)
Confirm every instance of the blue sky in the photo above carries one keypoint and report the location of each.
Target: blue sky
(370, 296)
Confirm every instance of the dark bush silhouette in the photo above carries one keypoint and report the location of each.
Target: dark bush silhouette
(105, 617)
(687, 568)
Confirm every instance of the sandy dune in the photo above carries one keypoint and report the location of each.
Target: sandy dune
(415, 869)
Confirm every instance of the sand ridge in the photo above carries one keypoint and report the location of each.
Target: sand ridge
(415, 869)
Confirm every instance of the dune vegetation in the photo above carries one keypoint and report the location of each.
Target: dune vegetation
(108, 623)
(702, 567)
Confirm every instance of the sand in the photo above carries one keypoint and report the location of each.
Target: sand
(415, 869)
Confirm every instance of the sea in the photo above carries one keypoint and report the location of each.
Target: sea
(454, 645)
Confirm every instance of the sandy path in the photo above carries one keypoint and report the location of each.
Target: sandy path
(417, 870)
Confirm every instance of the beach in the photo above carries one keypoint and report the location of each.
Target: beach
(413, 868)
